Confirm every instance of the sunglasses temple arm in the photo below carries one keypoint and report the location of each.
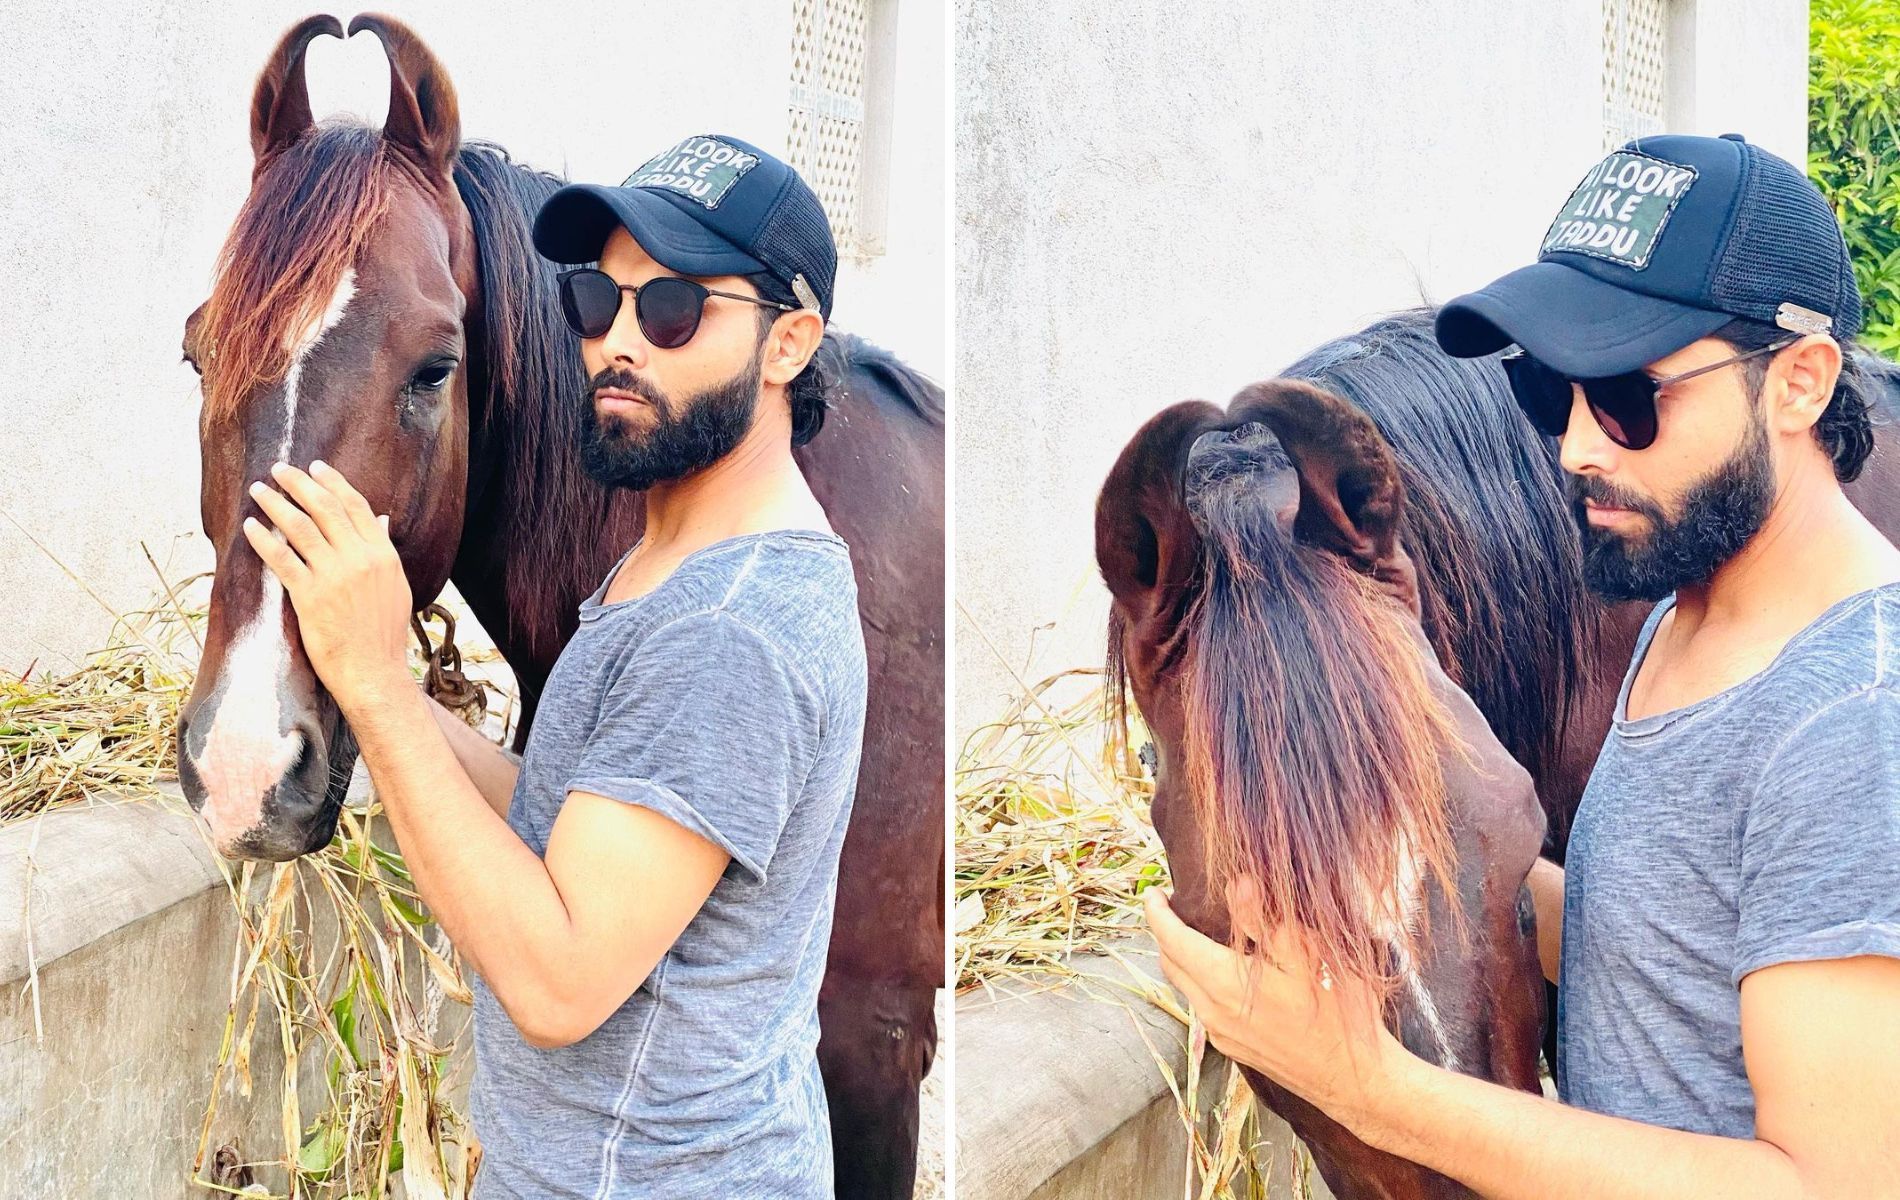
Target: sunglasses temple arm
(1727, 362)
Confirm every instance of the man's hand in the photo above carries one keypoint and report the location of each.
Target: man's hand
(1280, 1012)
(344, 579)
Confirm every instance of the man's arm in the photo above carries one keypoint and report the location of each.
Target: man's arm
(1822, 1044)
(561, 943)
(1546, 882)
(1820, 1039)
(491, 768)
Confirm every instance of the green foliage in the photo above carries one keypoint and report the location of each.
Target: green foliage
(1854, 146)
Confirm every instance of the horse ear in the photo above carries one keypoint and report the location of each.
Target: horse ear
(1351, 497)
(424, 121)
(280, 104)
(1145, 542)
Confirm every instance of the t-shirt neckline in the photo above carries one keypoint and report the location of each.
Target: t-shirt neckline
(1656, 723)
(592, 606)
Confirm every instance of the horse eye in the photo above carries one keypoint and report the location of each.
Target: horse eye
(191, 362)
(432, 376)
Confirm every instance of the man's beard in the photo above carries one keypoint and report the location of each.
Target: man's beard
(1719, 515)
(681, 437)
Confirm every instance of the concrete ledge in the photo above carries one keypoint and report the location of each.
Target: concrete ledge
(133, 935)
(72, 876)
(1060, 1095)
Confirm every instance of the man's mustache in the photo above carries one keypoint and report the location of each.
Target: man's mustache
(628, 382)
(1601, 490)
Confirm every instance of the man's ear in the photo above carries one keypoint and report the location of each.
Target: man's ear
(789, 345)
(1808, 371)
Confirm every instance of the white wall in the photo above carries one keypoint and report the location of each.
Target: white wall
(1741, 66)
(125, 137)
(1158, 201)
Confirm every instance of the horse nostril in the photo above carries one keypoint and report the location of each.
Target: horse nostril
(308, 771)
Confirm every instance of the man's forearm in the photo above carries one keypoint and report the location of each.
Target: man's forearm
(489, 891)
(1511, 1145)
(491, 768)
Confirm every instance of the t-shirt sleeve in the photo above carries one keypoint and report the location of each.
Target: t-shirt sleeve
(708, 724)
(1820, 844)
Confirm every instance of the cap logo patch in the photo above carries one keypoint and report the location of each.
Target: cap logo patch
(702, 169)
(1618, 212)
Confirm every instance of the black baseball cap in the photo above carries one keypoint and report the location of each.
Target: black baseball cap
(710, 205)
(1664, 242)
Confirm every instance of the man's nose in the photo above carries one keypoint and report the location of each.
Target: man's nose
(624, 344)
(1584, 446)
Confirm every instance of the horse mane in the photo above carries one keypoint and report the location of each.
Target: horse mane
(1313, 734)
(1883, 394)
(841, 356)
(282, 260)
(1486, 523)
(528, 366)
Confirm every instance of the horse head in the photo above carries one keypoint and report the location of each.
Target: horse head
(334, 330)
(1315, 765)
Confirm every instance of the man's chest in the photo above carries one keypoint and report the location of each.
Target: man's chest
(1679, 670)
(1653, 872)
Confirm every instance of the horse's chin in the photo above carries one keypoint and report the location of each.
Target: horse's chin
(275, 844)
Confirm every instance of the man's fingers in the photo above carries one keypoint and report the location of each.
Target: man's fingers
(1246, 909)
(305, 535)
(322, 505)
(1191, 950)
(281, 559)
(348, 499)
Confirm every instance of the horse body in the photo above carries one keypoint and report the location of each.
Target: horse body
(361, 264)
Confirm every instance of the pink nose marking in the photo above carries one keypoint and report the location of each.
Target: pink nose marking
(246, 754)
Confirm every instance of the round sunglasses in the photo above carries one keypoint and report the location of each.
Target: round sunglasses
(668, 307)
(1623, 405)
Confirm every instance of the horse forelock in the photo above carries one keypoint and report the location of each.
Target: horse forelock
(1312, 733)
(287, 256)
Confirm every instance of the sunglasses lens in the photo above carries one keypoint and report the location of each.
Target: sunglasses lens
(1543, 394)
(1625, 406)
(589, 300)
(669, 311)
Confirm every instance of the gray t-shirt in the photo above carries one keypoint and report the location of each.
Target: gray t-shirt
(731, 700)
(1758, 826)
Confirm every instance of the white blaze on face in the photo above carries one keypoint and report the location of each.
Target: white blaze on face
(249, 748)
(1409, 884)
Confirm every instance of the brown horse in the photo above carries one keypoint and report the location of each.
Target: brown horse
(1315, 763)
(1497, 548)
(379, 305)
